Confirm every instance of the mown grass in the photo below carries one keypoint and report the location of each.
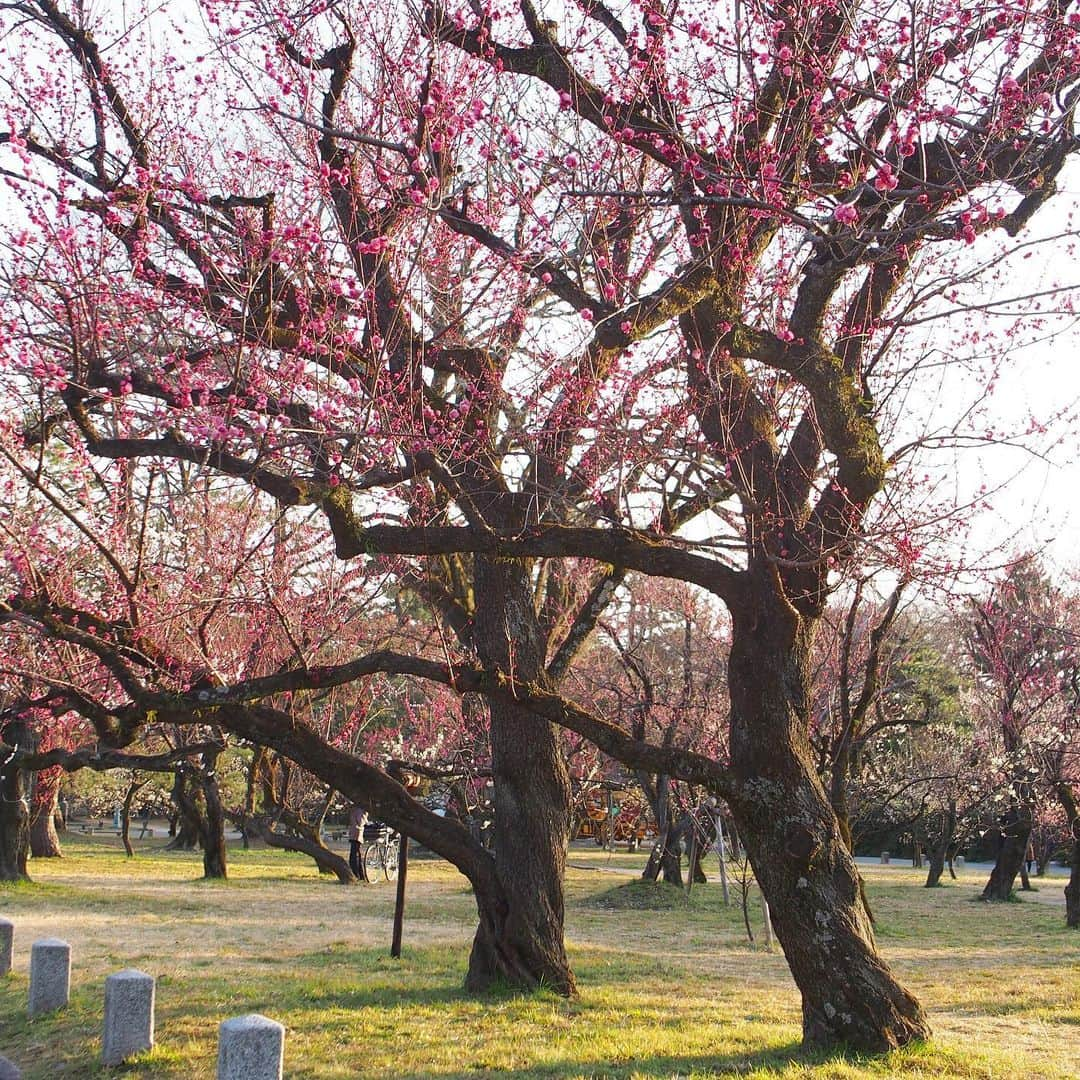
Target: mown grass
(669, 985)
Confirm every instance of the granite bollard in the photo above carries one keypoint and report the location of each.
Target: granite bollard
(250, 1048)
(7, 943)
(50, 975)
(129, 1016)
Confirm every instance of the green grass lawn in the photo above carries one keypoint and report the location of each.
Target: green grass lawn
(669, 986)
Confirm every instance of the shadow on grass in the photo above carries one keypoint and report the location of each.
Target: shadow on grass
(775, 1059)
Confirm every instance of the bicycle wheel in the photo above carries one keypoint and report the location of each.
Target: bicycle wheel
(373, 862)
(390, 860)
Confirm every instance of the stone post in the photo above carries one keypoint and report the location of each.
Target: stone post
(250, 1048)
(50, 975)
(7, 942)
(885, 858)
(129, 1016)
(9, 1070)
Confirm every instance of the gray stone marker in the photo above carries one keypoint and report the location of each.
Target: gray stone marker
(885, 858)
(7, 942)
(250, 1048)
(50, 975)
(129, 1016)
(8, 1070)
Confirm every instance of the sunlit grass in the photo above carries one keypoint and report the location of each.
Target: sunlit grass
(669, 986)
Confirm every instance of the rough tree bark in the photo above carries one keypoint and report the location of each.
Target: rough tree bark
(184, 828)
(838, 792)
(1016, 830)
(938, 852)
(664, 860)
(209, 824)
(44, 839)
(1069, 803)
(795, 844)
(213, 836)
(279, 826)
(14, 811)
(125, 815)
(519, 939)
(703, 824)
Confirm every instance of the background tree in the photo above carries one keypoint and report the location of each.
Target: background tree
(1017, 645)
(667, 687)
(852, 662)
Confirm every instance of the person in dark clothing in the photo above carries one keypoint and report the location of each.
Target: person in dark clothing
(357, 821)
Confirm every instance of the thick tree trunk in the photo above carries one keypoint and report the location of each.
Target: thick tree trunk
(1067, 798)
(791, 833)
(1016, 831)
(700, 843)
(665, 859)
(936, 867)
(519, 940)
(1072, 890)
(14, 809)
(44, 839)
(184, 828)
(206, 828)
(125, 815)
(212, 827)
(939, 851)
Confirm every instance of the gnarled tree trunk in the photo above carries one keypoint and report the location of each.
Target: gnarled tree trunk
(44, 839)
(519, 939)
(212, 833)
(328, 862)
(14, 809)
(208, 826)
(939, 849)
(665, 859)
(795, 843)
(1068, 800)
(184, 828)
(125, 815)
(1016, 830)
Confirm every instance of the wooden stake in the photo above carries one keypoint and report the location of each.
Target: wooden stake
(399, 902)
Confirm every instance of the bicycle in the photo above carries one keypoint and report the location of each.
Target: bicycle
(380, 852)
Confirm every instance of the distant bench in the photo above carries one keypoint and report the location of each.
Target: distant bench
(88, 828)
